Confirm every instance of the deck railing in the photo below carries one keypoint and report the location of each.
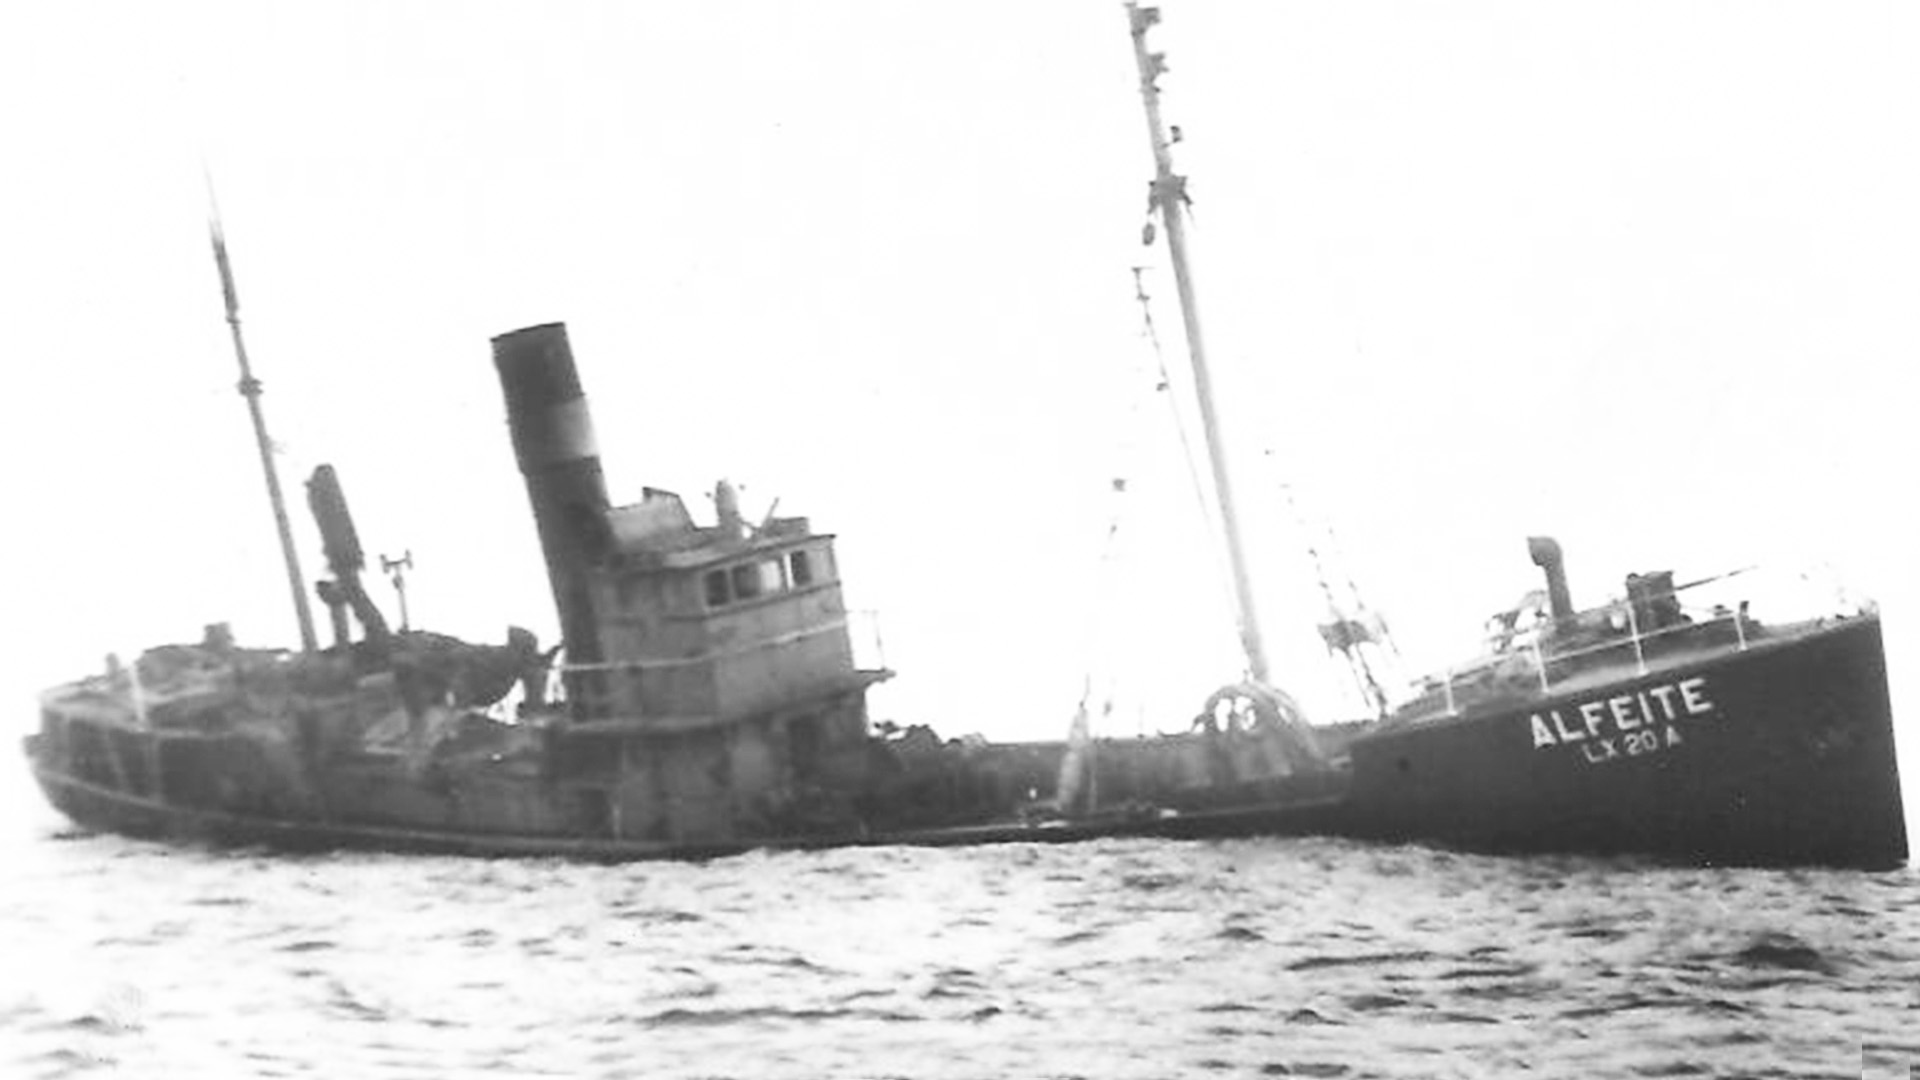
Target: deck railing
(588, 689)
(869, 648)
(1637, 625)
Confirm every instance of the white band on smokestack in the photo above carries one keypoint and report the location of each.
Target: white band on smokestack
(563, 433)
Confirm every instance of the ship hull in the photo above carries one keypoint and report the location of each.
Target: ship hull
(1781, 754)
(103, 809)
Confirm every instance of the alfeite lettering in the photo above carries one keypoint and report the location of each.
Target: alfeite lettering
(1639, 720)
(1693, 692)
(1665, 694)
(1541, 736)
(1622, 710)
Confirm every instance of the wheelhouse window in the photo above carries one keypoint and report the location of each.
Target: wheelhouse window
(748, 581)
(802, 569)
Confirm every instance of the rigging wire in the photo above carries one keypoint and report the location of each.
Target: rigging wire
(1100, 646)
(1346, 606)
(1362, 677)
(1096, 633)
(1164, 385)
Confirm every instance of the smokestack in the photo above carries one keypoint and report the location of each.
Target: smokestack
(1545, 551)
(553, 443)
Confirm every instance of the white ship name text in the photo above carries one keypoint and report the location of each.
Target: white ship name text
(1623, 725)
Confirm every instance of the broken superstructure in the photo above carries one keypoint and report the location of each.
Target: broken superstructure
(710, 682)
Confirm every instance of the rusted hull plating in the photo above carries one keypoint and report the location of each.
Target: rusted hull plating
(1781, 755)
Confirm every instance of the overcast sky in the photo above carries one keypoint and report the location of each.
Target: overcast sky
(1639, 275)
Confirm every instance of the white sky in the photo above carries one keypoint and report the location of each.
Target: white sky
(1638, 275)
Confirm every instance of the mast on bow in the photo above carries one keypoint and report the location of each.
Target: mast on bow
(250, 389)
(1169, 199)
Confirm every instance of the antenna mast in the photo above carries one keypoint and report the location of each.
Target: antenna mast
(1169, 197)
(250, 389)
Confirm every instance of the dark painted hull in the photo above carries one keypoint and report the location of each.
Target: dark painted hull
(1781, 754)
(102, 808)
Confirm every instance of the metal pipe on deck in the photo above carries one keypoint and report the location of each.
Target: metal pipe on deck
(1545, 552)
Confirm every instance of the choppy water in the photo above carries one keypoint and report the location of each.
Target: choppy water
(1123, 959)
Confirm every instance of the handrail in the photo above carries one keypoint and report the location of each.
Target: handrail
(1624, 607)
(592, 695)
(760, 645)
(863, 630)
(1535, 641)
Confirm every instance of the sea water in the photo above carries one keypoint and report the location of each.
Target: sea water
(1110, 959)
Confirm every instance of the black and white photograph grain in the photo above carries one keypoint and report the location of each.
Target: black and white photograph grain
(995, 540)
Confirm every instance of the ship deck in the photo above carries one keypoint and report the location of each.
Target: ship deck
(1614, 643)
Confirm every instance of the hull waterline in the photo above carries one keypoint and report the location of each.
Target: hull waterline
(1786, 757)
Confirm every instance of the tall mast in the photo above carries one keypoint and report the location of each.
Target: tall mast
(1169, 198)
(250, 389)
